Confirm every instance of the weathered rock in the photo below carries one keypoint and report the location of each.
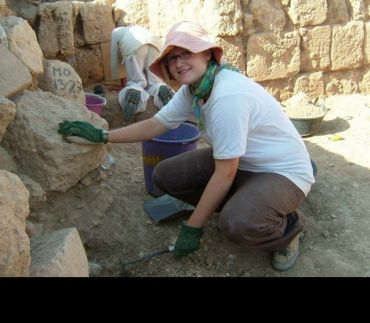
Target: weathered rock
(34, 229)
(7, 114)
(233, 51)
(357, 9)
(6, 161)
(268, 14)
(23, 43)
(14, 242)
(61, 79)
(88, 63)
(224, 18)
(337, 12)
(347, 45)
(40, 151)
(97, 20)
(26, 9)
(37, 197)
(55, 31)
(273, 56)
(59, 254)
(15, 77)
(315, 54)
(131, 12)
(310, 84)
(281, 89)
(342, 82)
(308, 12)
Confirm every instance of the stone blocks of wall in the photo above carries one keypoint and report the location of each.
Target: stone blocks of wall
(266, 39)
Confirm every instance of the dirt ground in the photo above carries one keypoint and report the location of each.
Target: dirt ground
(107, 209)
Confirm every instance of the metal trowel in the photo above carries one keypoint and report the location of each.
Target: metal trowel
(149, 256)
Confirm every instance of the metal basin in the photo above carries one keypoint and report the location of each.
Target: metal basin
(307, 126)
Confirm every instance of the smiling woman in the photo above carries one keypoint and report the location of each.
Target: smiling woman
(256, 151)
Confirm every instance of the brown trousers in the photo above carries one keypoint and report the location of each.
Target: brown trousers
(260, 210)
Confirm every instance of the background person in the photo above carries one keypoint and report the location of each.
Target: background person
(135, 48)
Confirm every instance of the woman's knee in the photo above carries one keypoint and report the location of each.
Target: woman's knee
(158, 175)
(232, 226)
(248, 230)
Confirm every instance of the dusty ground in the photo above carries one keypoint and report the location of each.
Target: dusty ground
(107, 210)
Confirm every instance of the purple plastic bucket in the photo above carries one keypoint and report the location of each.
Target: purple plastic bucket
(95, 103)
(172, 143)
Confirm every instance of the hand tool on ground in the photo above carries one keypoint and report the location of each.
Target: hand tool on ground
(150, 255)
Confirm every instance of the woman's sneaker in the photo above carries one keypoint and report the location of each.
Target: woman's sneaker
(285, 259)
(165, 93)
(132, 100)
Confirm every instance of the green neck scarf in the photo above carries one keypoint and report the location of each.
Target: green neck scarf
(204, 88)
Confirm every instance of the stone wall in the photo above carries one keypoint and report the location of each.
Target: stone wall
(320, 47)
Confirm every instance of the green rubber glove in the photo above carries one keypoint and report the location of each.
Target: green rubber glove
(83, 129)
(188, 240)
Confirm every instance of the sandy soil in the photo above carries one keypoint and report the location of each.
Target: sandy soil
(107, 209)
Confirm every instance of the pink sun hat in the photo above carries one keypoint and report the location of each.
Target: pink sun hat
(188, 35)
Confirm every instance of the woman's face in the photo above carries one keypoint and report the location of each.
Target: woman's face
(186, 67)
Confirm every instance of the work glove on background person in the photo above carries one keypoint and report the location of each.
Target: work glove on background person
(71, 129)
(188, 240)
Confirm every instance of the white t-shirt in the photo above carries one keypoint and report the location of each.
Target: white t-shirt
(243, 120)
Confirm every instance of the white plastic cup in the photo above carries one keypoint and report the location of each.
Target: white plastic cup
(108, 161)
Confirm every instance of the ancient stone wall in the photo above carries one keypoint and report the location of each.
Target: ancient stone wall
(320, 47)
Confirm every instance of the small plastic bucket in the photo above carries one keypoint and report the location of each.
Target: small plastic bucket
(95, 103)
(172, 143)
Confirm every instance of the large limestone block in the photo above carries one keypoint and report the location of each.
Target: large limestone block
(342, 82)
(272, 56)
(357, 8)
(37, 197)
(347, 45)
(61, 79)
(281, 89)
(268, 14)
(26, 9)
(131, 12)
(59, 254)
(233, 51)
(228, 17)
(14, 242)
(315, 49)
(23, 43)
(15, 77)
(310, 84)
(88, 63)
(337, 12)
(7, 114)
(40, 151)
(224, 18)
(97, 20)
(308, 12)
(55, 31)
